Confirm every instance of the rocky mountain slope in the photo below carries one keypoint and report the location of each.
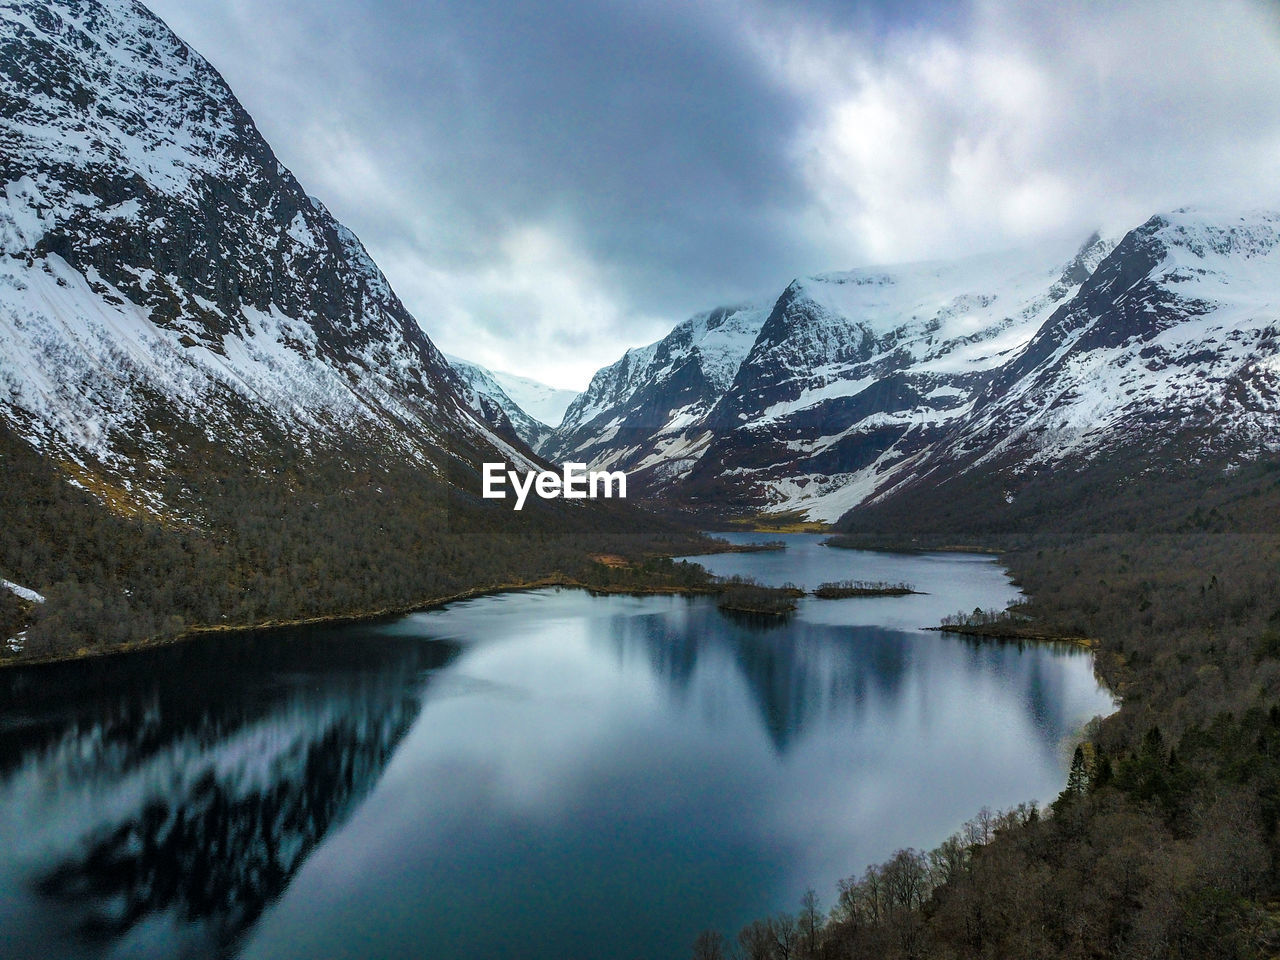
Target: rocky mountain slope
(544, 403)
(842, 371)
(864, 384)
(857, 371)
(214, 410)
(167, 282)
(1165, 363)
(638, 413)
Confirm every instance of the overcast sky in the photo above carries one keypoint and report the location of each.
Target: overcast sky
(547, 184)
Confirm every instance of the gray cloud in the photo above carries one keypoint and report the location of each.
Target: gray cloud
(547, 184)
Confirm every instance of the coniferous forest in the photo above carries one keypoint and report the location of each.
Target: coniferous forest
(280, 541)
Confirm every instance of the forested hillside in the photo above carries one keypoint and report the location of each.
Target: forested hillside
(289, 539)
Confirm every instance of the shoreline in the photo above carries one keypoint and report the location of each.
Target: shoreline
(989, 633)
(398, 610)
(401, 610)
(552, 580)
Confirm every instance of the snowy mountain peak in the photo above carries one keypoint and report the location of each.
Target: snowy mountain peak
(1173, 336)
(635, 413)
(782, 406)
(502, 389)
(861, 384)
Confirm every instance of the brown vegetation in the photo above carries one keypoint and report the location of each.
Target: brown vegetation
(744, 595)
(1005, 625)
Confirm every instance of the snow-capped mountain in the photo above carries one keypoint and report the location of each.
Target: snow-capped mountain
(502, 389)
(1170, 350)
(844, 369)
(853, 371)
(167, 283)
(544, 403)
(639, 413)
(862, 385)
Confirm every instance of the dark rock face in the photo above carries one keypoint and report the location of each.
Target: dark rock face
(135, 183)
(487, 397)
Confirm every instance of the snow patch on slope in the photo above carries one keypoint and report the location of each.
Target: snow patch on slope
(23, 593)
(163, 275)
(483, 383)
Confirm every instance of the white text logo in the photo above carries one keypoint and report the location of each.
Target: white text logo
(574, 484)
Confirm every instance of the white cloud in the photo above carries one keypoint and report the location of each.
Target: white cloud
(539, 306)
(537, 211)
(1027, 119)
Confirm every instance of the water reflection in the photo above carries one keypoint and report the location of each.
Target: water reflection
(607, 776)
(795, 672)
(801, 673)
(160, 803)
(546, 774)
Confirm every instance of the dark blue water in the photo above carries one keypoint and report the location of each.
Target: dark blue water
(533, 775)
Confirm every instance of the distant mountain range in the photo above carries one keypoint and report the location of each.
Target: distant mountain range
(855, 388)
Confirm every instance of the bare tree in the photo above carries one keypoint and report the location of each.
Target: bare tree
(810, 921)
(709, 945)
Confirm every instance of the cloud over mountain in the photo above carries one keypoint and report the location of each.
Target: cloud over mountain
(548, 184)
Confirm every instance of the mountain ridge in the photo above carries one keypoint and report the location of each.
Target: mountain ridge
(150, 230)
(860, 385)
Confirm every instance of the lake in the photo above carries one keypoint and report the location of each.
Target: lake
(530, 775)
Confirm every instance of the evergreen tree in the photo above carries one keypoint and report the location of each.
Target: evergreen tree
(1078, 778)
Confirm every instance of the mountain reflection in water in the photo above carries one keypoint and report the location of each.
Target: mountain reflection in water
(802, 673)
(159, 802)
(544, 775)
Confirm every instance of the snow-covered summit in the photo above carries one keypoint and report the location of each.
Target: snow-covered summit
(779, 405)
(866, 384)
(502, 389)
(1176, 335)
(637, 410)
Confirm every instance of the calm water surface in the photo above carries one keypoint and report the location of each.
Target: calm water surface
(533, 775)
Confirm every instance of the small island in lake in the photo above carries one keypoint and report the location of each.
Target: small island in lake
(765, 546)
(1005, 625)
(840, 589)
(743, 595)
